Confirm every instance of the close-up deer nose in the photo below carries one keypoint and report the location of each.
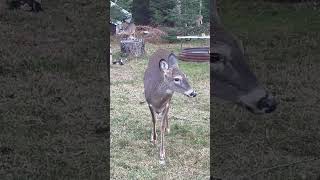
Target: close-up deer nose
(267, 104)
(193, 94)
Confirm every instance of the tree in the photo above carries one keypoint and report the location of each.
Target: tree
(167, 12)
(125, 4)
(141, 11)
(164, 12)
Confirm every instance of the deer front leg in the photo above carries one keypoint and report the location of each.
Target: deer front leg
(162, 130)
(167, 119)
(154, 130)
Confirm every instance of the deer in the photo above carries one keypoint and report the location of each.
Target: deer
(128, 30)
(198, 20)
(161, 79)
(232, 78)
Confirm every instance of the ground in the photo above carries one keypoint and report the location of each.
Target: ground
(53, 89)
(282, 42)
(187, 146)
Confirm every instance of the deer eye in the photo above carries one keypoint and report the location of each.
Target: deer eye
(176, 79)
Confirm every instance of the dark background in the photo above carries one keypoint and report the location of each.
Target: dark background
(53, 91)
(282, 42)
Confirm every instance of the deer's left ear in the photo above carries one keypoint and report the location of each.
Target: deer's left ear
(163, 65)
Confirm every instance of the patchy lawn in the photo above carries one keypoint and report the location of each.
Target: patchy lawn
(187, 146)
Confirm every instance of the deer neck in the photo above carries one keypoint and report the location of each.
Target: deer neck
(162, 97)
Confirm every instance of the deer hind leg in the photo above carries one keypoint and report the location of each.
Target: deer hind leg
(154, 130)
(162, 130)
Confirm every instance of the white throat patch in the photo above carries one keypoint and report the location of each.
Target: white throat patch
(169, 91)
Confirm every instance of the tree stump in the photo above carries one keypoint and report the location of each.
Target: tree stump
(133, 47)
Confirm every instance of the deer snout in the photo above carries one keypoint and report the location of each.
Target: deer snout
(267, 104)
(190, 93)
(258, 101)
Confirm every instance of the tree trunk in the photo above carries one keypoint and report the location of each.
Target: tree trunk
(133, 47)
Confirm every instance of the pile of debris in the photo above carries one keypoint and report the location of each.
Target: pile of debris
(150, 34)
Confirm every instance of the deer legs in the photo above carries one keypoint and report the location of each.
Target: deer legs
(164, 124)
(166, 119)
(154, 130)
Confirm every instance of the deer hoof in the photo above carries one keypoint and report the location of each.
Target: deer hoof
(162, 162)
(154, 142)
(168, 130)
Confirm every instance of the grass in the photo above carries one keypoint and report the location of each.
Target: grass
(282, 43)
(53, 92)
(187, 146)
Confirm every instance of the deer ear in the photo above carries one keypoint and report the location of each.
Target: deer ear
(172, 60)
(163, 65)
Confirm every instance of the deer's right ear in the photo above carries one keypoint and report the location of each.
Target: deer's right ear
(163, 65)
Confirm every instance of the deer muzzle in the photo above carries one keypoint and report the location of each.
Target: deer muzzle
(190, 93)
(267, 104)
(259, 101)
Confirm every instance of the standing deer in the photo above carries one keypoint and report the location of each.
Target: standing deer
(161, 79)
(198, 20)
(232, 78)
(128, 31)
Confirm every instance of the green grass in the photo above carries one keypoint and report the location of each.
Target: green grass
(187, 146)
(281, 41)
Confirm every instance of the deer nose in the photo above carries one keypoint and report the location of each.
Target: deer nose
(193, 94)
(267, 103)
(190, 93)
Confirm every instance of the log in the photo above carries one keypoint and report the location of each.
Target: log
(133, 47)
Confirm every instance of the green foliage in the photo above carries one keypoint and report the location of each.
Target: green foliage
(116, 14)
(125, 4)
(166, 12)
(163, 12)
(172, 36)
(141, 11)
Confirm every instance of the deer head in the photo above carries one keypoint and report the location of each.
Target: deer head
(233, 79)
(174, 78)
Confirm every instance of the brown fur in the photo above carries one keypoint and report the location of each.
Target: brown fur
(162, 78)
